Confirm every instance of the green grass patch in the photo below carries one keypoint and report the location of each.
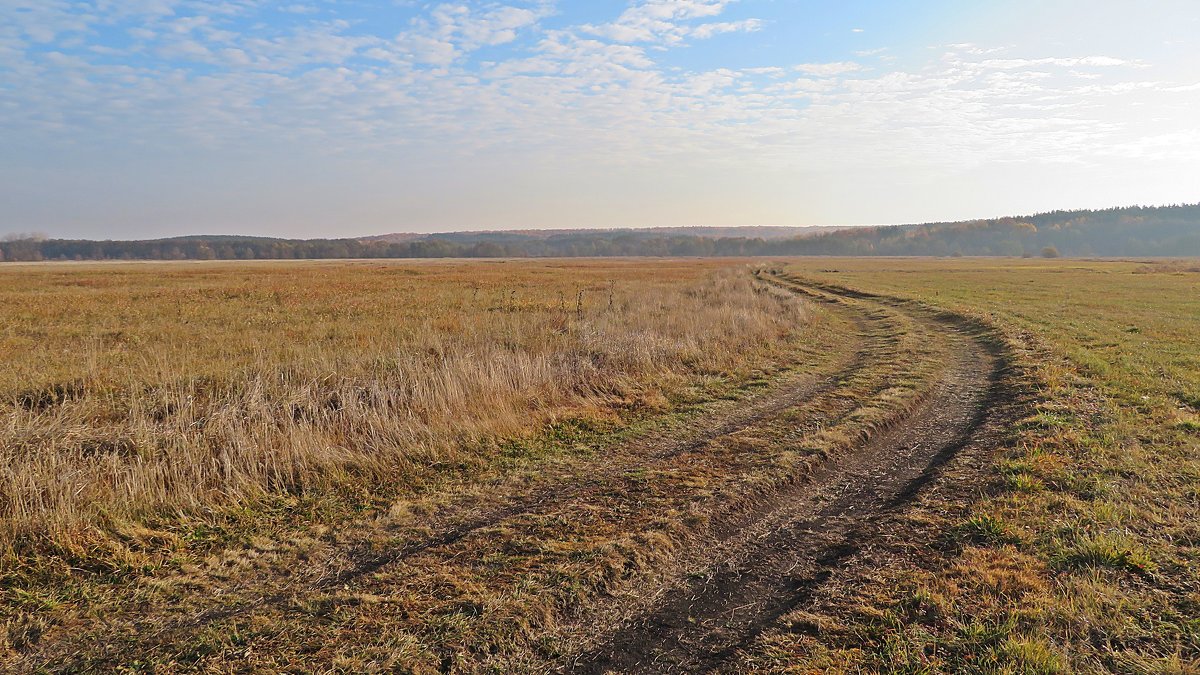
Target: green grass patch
(986, 529)
(1108, 551)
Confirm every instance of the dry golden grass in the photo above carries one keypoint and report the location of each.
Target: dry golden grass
(137, 393)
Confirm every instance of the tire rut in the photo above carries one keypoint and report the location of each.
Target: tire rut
(794, 542)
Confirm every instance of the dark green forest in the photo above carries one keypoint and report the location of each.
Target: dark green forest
(1131, 231)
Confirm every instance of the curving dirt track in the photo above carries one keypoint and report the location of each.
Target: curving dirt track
(765, 551)
(796, 542)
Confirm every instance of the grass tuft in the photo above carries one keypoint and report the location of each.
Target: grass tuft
(986, 529)
(1108, 551)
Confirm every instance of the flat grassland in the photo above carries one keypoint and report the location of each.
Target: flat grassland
(857, 465)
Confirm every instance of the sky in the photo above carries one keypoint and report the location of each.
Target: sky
(148, 118)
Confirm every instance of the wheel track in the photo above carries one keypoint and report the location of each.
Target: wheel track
(787, 549)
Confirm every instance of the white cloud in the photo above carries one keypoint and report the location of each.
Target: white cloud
(186, 50)
(1087, 61)
(670, 22)
(453, 30)
(496, 27)
(767, 70)
(828, 69)
(421, 49)
(707, 30)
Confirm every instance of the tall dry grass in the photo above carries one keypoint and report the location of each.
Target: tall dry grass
(130, 392)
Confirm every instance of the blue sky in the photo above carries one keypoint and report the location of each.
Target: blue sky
(141, 118)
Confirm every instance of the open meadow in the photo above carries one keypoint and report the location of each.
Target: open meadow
(627, 465)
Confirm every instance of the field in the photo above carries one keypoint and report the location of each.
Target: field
(807, 465)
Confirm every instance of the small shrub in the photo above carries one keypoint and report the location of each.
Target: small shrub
(1049, 252)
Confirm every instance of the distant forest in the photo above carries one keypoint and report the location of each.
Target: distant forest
(1132, 231)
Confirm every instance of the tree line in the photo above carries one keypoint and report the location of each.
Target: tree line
(1131, 231)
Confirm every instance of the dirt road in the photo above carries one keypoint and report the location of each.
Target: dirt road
(779, 555)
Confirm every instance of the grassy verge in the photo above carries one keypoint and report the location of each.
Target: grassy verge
(1083, 552)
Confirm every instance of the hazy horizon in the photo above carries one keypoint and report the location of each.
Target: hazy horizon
(158, 118)
(429, 231)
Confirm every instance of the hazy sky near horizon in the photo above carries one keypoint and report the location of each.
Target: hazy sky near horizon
(147, 118)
